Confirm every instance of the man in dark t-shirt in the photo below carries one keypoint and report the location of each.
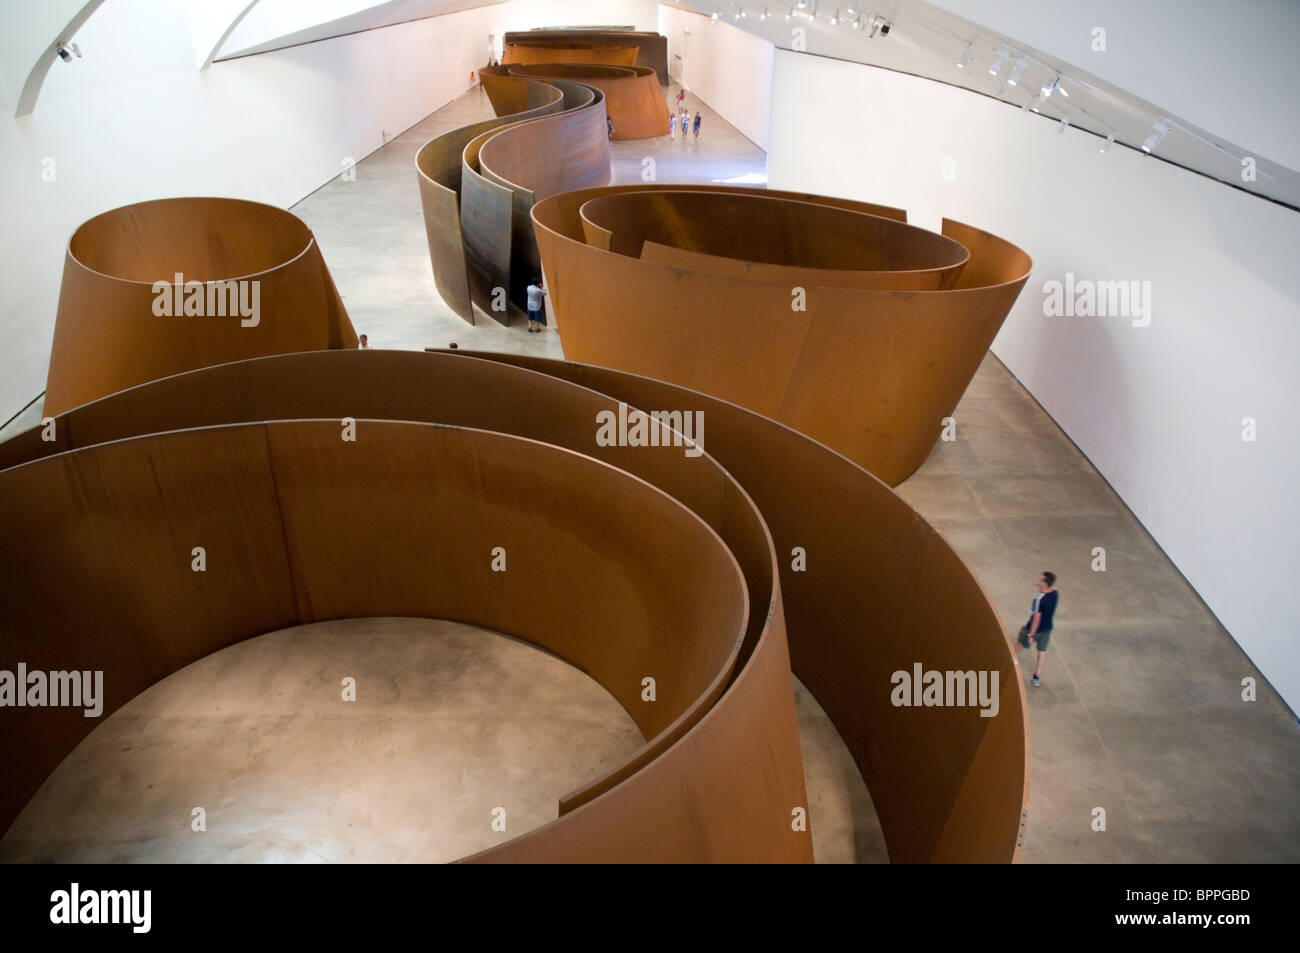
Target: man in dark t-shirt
(1040, 618)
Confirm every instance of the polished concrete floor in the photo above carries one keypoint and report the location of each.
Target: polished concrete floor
(1140, 711)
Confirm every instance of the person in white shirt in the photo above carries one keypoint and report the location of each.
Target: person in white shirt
(536, 314)
(364, 343)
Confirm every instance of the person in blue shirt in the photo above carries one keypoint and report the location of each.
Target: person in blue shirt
(1038, 630)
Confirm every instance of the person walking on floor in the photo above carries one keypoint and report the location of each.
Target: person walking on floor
(697, 124)
(672, 126)
(1038, 630)
(536, 317)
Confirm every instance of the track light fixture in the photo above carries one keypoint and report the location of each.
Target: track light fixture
(857, 24)
(1017, 72)
(1055, 87)
(835, 18)
(999, 61)
(763, 14)
(965, 57)
(1065, 124)
(1105, 146)
(1158, 132)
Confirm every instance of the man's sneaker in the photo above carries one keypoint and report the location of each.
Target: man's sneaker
(1035, 681)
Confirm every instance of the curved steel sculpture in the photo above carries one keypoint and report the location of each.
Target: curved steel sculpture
(720, 776)
(477, 214)
(159, 287)
(652, 48)
(633, 99)
(858, 331)
(526, 53)
(439, 165)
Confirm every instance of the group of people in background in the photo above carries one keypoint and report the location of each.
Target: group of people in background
(683, 115)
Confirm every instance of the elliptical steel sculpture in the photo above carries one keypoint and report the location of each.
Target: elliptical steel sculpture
(720, 776)
(159, 287)
(858, 331)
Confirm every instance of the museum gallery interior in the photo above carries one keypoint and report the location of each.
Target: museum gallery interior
(629, 432)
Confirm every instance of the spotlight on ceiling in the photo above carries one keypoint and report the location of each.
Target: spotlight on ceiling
(853, 10)
(999, 61)
(63, 53)
(1105, 146)
(803, 4)
(857, 24)
(715, 15)
(1065, 124)
(763, 14)
(1158, 132)
(1017, 72)
(965, 57)
(1030, 103)
(835, 18)
(1055, 87)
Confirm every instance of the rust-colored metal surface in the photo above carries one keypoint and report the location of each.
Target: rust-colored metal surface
(478, 221)
(438, 167)
(879, 592)
(652, 47)
(770, 779)
(947, 782)
(165, 286)
(872, 367)
(528, 54)
(633, 98)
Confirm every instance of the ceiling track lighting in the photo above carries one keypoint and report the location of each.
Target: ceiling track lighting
(835, 18)
(965, 57)
(999, 61)
(715, 15)
(763, 15)
(1065, 124)
(1158, 132)
(1030, 103)
(1055, 87)
(1017, 72)
(853, 10)
(1105, 146)
(857, 24)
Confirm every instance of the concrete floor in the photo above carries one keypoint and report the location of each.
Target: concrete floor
(1139, 713)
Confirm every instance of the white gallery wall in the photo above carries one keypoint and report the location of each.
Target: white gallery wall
(1157, 408)
(729, 69)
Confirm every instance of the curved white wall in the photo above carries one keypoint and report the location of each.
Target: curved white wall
(729, 69)
(135, 119)
(1157, 409)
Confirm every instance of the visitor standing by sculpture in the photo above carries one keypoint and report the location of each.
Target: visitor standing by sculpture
(1039, 627)
(536, 316)
(696, 124)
